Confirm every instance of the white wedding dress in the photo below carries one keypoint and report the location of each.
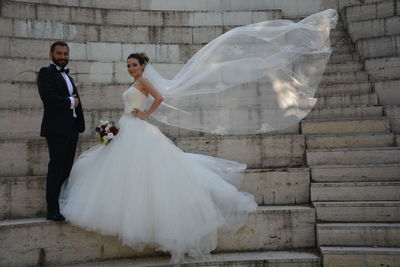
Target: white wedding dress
(144, 189)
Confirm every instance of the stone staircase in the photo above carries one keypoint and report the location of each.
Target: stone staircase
(354, 161)
(345, 203)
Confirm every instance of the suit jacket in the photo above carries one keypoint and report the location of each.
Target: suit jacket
(58, 116)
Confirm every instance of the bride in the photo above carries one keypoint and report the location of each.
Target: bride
(148, 192)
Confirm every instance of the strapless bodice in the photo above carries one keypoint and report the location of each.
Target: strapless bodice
(133, 98)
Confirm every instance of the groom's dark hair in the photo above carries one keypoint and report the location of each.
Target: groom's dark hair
(58, 43)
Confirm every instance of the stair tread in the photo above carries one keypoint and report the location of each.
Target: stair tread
(356, 250)
(260, 209)
(358, 224)
(347, 149)
(346, 119)
(251, 256)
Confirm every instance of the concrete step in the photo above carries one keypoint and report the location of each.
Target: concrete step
(345, 57)
(346, 88)
(25, 70)
(350, 140)
(385, 68)
(358, 211)
(382, 46)
(347, 100)
(345, 112)
(360, 256)
(344, 77)
(24, 197)
(351, 156)
(29, 121)
(15, 47)
(81, 32)
(352, 173)
(17, 94)
(111, 16)
(265, 229)
(374, 27)
(344, 66)
(29, 156)
(358, 234)
(355, 191)
(345, 125)
(349, 3)
(273, 258)
(349, 88)
(85, 72)
(366, 11)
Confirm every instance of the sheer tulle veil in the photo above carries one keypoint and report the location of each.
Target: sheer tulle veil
(257, 78)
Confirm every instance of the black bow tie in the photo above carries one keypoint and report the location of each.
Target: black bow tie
(64, 70)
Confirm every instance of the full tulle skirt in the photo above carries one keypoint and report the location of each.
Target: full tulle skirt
(149, 193)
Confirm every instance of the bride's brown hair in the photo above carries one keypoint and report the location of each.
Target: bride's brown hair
(141, 57)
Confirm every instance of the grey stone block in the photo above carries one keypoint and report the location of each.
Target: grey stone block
(351, 173)
(393, 112)
(358, 211)
(4, 47)
(352, 156)
(104, 51)
(358, 256)
(350, 140)
(388, 92)
(18, 10)
(345, 125)
(57, 13)
(115, 17)
(377, 47)
(383, 68)
(358, 234)
(86, 15)
(355, 191)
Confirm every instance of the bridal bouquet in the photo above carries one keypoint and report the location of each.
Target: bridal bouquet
(106, 131)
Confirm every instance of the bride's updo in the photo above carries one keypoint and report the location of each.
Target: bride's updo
(141, 57)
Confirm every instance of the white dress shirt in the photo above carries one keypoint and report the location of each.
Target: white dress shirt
(70, 88)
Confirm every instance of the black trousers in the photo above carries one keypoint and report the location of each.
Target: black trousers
(62, 152)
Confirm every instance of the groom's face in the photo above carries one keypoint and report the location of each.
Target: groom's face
(60, 55)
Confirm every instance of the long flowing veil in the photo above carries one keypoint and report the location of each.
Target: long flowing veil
(252, 79)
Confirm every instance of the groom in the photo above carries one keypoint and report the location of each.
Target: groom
(61, 124)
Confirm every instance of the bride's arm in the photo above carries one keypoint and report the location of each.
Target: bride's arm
(157, 99)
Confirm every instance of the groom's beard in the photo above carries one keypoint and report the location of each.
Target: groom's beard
(60, 62)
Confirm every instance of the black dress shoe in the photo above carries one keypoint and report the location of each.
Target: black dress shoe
(55, 217)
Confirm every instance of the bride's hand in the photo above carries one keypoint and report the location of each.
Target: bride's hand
(139, 114)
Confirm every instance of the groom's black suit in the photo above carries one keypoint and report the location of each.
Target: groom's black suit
(60, 128)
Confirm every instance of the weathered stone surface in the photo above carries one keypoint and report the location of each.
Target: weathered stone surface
(365, 11)
(388, 92)
(58, 243)
(358, 234)
(366, 211)
(355, 191)
(30, 156)
(256, 259)
(345, 125)
(383, 68)
(393, 113)
(24, 197)
(349, 140)
(359, 256)
(345, 112)
(351, 173)
(345, 156)
(384, 46)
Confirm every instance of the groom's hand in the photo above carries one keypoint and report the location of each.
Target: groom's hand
(76, 100)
